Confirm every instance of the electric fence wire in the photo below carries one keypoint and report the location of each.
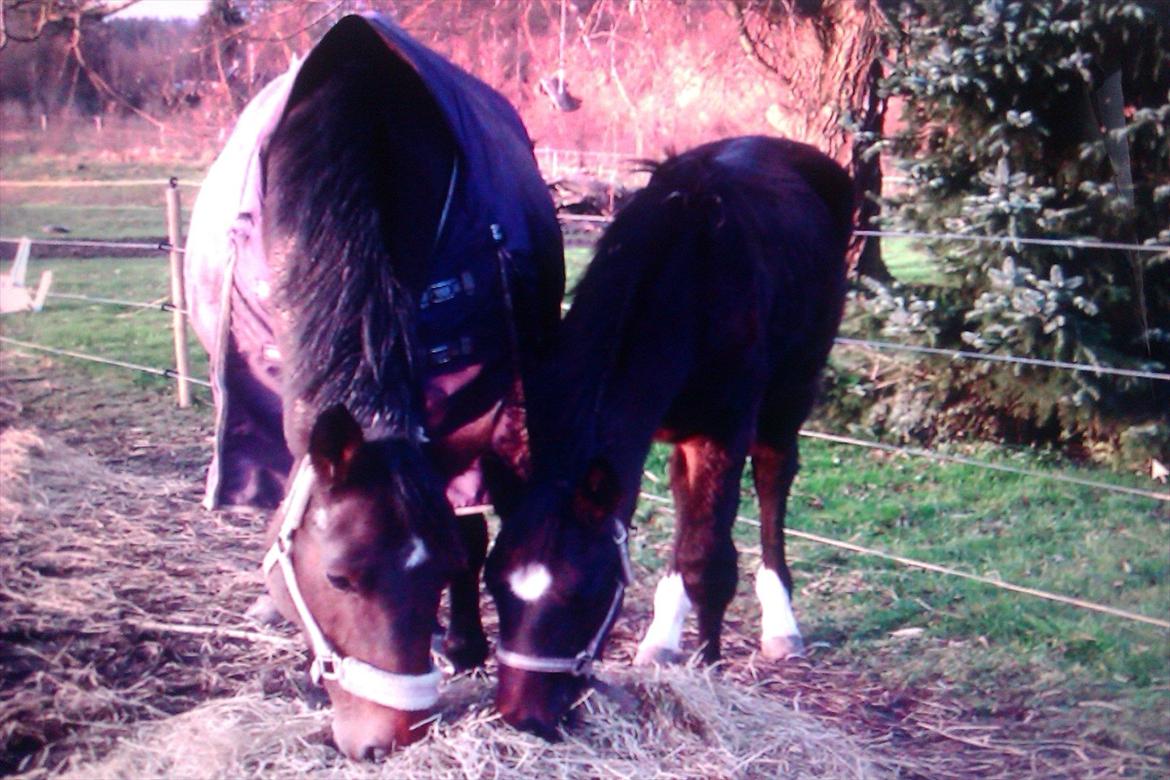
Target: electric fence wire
(960, 354)
(169, 373)
(163, 306)
(903, 560)
(160, 246)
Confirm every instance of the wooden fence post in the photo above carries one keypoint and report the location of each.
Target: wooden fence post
(178, 294)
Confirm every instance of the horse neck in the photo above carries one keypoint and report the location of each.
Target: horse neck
(626, 350)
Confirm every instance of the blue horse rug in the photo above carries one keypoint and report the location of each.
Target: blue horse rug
(496, 278)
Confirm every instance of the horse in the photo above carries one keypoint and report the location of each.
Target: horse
(704, 320)
(394, 271)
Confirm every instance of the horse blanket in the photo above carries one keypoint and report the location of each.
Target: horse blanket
(496, 277)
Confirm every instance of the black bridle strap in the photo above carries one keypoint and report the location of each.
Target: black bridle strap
(580, 665)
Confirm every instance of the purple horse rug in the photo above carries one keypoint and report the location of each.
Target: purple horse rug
(496, 278)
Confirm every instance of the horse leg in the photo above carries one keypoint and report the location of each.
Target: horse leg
(704, 478)
(773, 469)
(466, 645)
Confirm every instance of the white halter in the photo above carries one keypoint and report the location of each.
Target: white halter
(581, 664)
(398, 691)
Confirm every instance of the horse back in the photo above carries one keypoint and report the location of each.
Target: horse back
(769, 223)
(361, 280)
(763, 228)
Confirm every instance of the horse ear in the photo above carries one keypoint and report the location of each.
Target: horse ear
(598, 494)
(503, 483)
(333, 443)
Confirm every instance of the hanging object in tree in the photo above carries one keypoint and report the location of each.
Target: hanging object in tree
(557, 91)
(554, 86)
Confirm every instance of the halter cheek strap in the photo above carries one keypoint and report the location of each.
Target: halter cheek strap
(410, 692)
(581, 664)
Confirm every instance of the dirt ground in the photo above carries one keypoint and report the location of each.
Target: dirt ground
(122, 601)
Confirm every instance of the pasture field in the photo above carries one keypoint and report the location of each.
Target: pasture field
(103, 209)
(968, 679)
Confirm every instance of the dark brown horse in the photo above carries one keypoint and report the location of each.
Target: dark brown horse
(704, 320)
(416, 268)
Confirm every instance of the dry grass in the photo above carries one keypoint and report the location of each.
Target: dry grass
(685, 724)
(124, 653)
(100, 573)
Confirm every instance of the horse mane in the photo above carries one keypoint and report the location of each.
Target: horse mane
(717, 200)
(340, 233)
(571, 385)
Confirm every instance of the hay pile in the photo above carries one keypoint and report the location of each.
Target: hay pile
(118, 603)
(128, 657)
(685, 724)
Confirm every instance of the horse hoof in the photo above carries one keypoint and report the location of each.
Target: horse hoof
(263, 611)
(663, 656)
(780, 648)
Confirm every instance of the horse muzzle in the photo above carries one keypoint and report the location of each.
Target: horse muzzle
(536, 702)
(365, 731)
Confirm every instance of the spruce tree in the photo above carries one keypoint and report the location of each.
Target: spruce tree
(1035, 119)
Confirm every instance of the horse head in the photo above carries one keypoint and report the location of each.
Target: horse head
(362, 549)
(557, 573)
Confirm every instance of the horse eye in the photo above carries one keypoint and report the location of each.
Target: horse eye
(340, 582)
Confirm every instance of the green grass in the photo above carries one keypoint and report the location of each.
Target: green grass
(141, 336)
(908, 262)
(25, 167)
(136, 211)
(576, 261)
(88, 220)
(1108, 548)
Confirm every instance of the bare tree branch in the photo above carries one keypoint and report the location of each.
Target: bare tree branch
(751, 45)
(52, 11)
(100, 83)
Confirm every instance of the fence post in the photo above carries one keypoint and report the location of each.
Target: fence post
(178, 295)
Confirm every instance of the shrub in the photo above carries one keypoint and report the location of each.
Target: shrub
(1008, 131)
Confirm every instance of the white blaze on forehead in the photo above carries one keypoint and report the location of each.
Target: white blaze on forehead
(776, 619)
(671, 607)
(530, 581)
(417, 553)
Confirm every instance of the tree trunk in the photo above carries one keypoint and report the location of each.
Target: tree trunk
(823, 56)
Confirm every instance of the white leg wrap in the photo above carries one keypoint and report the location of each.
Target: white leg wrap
(671, 607)
(777, 620)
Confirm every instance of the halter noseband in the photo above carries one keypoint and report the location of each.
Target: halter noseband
(410, 692)
(581, 664)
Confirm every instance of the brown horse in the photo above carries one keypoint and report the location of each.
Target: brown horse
(704, 320)
(416, 269)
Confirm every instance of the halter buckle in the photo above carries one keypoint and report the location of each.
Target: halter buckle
(582, 664)
(325, 667)
(443, 354)
(447, 289)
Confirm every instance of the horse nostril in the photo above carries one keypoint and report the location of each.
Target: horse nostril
(375, 753)
(536, 726)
